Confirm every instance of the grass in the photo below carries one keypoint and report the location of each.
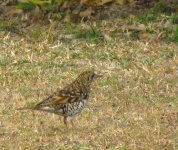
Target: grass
(134, 106)
(160, 19)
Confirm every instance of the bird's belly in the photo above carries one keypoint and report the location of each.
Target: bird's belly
(51, 110)
(72, 109)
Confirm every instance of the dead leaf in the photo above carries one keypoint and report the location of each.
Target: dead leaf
(138, 27)
(102, 2)
(146, 36)
(65, 5)
(15, 12)
(95, 2)
(23, 1)
(121, 2)
(70, 18)
(87, 13)
(107, 37)
(83, 1)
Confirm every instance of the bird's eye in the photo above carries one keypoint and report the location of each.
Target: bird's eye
(92, 75)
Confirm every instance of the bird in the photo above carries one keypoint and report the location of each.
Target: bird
(69, 101)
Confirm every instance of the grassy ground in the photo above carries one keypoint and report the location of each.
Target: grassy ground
(134, 106)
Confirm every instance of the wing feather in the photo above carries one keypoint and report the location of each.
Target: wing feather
(60, 98)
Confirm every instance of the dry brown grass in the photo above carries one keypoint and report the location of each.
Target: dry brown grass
(134, 106)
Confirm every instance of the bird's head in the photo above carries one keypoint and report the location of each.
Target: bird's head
(89, 76)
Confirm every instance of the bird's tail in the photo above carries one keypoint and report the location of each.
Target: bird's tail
(25, 108)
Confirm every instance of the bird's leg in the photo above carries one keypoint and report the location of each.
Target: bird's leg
(65, 122)
(72, 122)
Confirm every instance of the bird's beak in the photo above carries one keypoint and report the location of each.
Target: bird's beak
(98, 75)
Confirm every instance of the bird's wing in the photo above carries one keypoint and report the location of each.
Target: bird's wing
(60, 98)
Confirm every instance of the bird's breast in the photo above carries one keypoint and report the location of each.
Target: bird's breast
(74, 108)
